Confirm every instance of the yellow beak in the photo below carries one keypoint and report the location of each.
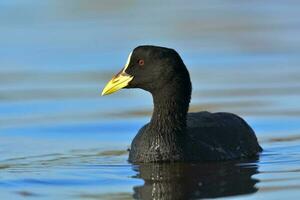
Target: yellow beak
(118, 82)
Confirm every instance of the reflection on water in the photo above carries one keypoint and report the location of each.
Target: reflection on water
(60, 140)
(192, 181)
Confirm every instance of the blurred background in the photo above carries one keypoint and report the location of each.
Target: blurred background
(56, 56)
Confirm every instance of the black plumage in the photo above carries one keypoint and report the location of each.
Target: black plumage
(173, 134)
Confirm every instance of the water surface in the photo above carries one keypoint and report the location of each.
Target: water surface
(61, 140)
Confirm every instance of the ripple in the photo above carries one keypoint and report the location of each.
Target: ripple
(61, 140)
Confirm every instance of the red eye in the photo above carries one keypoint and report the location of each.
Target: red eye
(141, 62)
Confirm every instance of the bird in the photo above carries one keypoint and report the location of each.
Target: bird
(173, 134)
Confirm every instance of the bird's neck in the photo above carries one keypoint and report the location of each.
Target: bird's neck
(171, 105)
(168, 123)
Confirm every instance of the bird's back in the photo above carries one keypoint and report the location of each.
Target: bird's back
(219, 136)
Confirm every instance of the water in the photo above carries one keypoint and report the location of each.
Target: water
(61, 140)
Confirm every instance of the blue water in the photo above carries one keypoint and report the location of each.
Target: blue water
(59, 139)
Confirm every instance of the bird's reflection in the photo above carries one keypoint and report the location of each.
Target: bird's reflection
(191, 181)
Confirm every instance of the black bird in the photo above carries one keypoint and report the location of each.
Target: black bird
(173, 134)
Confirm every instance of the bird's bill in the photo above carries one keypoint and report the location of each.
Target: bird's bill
(118, 82)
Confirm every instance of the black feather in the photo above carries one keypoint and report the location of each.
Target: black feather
(172, 134)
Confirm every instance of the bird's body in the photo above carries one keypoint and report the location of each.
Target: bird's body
(173, 135)
(208, 137)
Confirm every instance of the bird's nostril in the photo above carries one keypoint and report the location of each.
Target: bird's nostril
(116, 79)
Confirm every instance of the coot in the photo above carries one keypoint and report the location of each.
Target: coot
(173, 134)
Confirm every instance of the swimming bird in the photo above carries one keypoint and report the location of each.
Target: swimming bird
(173, 134)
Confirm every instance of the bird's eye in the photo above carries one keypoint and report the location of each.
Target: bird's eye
(141, 62)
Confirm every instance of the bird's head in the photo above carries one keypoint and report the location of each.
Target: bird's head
(149, 68)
